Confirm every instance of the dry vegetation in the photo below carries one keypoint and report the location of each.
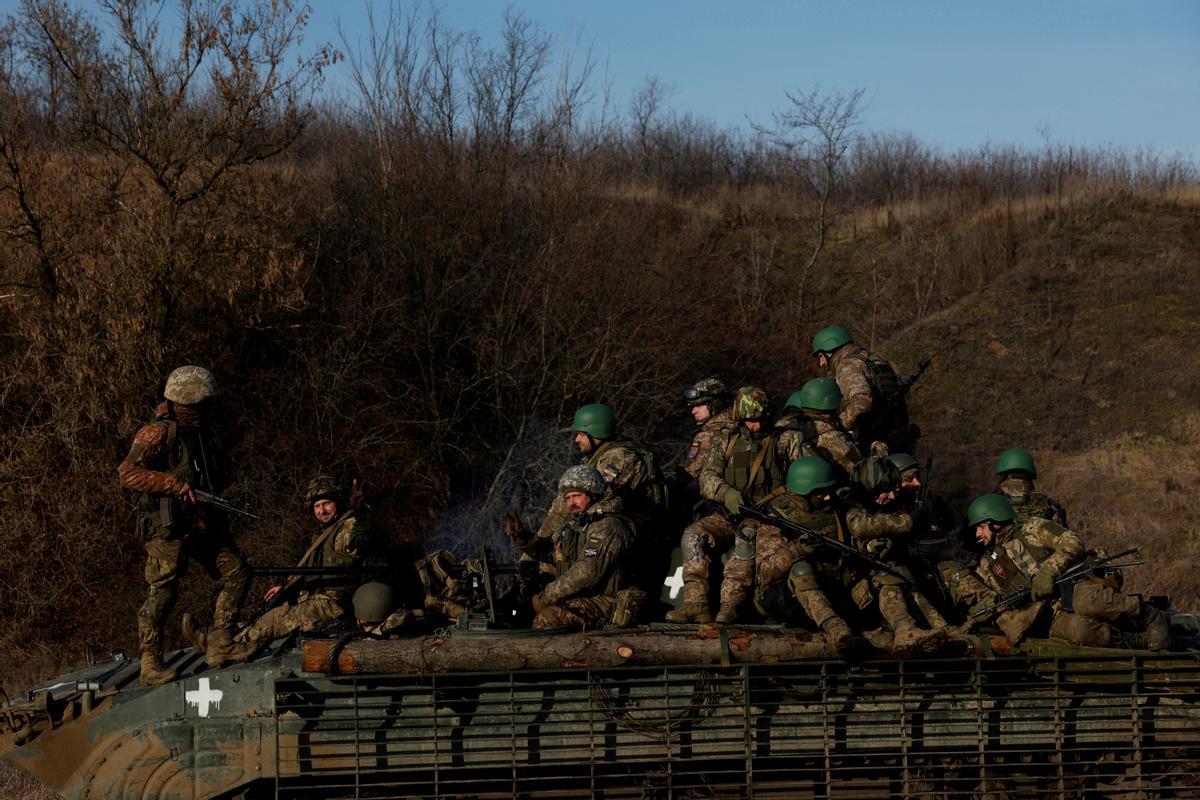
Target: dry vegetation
(420, 286)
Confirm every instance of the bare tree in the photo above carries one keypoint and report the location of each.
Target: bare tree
(816, 133)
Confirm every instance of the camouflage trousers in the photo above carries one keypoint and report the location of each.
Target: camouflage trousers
(167, 561)
(714, 535)
(576, 612)
(310, 612)
(779, 557)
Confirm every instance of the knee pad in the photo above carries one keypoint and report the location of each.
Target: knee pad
(746, 545)
(802, 577)
(693, 546)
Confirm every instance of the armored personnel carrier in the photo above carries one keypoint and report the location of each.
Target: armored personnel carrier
(654, 712)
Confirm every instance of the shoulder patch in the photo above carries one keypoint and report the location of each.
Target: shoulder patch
(609, 473)
(590, 552)
(693, 449)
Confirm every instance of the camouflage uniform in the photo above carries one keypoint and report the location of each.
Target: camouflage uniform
(730, 465)
(709, 431)
(1029, 503)
(868, 409)
(178, 447)
(821, 437)
(885, 534)
(322, 599)
(1019, 553)
(590, 554)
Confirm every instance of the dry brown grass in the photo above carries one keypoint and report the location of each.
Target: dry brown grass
(16, 785)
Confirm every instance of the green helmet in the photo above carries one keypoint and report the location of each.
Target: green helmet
(808, 474)
(875, 475)
(903, 462)
(831, 338)
(190, 386)
(324, 487)
(1016, 460)
(991, 507)
(582, 478)
(750, 403)
(597, 420)
(819, 394)
(710, 392)
(373, 602)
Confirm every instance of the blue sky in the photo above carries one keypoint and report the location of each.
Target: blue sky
(956, 74)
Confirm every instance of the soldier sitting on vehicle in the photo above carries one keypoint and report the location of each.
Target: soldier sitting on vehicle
(375, 610)
(1017, 471)
(812, 412)
(1024, 559)
(591, 552)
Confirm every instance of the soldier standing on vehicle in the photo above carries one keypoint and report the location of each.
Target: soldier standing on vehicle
(591, 554)
(172, 457)
(709, 403)
(1017, 471)
(1032, 554)
(746, 466)
(343, 540)
(874, 407)
(812, 412)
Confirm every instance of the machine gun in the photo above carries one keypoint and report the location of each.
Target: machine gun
(167, 506)
(1068, 578)
(822, 540)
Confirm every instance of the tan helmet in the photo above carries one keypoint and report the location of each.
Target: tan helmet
(190, 386)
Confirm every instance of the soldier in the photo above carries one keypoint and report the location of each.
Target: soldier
(636, 484)
(591, 550)
(874, 408)
(746, 465)
(884, 531)
(812, 412)
(1032, 554)
(1017, 471)
(809, 570)
(938, 518)
(342, 540)
(172, 456)
(708, 401)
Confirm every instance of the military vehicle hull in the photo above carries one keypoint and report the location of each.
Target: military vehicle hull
(1047, 721)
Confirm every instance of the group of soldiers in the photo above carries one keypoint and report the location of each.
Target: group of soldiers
(818, 516)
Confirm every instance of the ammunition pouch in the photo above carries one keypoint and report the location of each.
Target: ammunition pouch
(627, 607)
(862, 595)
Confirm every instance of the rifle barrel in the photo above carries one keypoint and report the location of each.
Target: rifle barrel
(369, 570)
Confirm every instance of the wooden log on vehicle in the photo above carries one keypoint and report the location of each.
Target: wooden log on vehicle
(706, 645)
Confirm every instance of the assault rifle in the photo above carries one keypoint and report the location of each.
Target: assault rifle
(1069, 577)
(906, 382)
(167, 505)
(824, 541)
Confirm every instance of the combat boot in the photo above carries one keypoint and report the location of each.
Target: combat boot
(222, 648)
(849, 646)
(727, 614)
(154, 672)
(195, 634)
(695, 594)
(1158, 628)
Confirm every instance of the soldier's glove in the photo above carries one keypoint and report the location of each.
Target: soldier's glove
(515, 530)
(1043, 584)
(734, 501)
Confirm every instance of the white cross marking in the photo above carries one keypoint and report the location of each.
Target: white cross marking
(675, 582)
(202, 695)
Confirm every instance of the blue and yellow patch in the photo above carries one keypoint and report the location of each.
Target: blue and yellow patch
(610, 473)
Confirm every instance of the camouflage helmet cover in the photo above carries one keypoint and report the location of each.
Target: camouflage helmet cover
(830, 338)
(1016, 460)
(190, 385)
(324, 487)
(596, 420)
(808, 474)
(582, 478)
(750, 403)
(990, 507)
(876, 475)
(373, 602)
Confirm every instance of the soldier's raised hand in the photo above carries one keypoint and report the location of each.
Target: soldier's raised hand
(185, 493)
(358, 494)
(515, 530)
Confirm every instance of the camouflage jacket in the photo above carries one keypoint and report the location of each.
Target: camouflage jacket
(850, 369)
(630, 478)
(824, 439)
(150, 469)
(347, 544)
(1029, 503)
(708, 432)
(588, 555)
(1025, 549)
(788, 445)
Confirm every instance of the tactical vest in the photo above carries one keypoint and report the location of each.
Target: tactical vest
(191, 452)
(328, 556)
(1010, 573)
(752, 467)
(1033, 504)
(573, 544)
